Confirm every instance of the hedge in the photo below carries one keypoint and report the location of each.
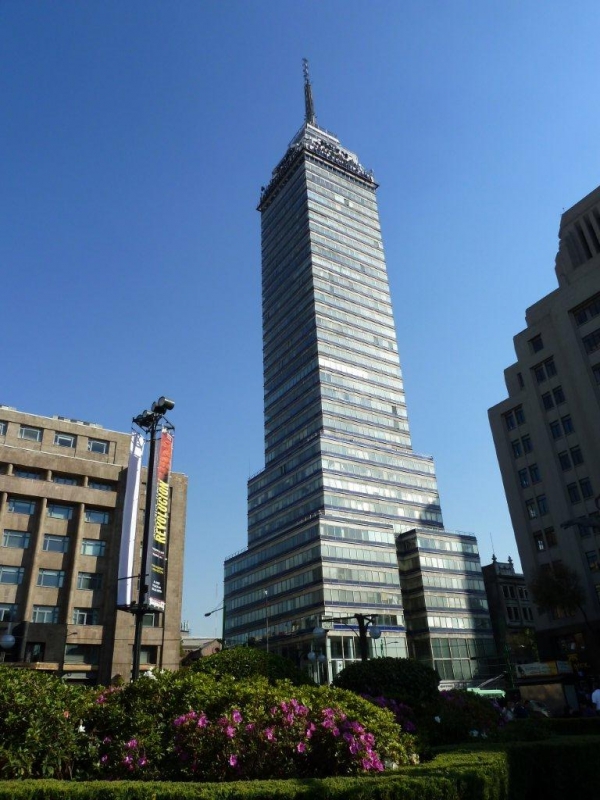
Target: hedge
(546, 770)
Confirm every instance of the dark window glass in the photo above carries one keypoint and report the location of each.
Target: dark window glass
(534, 473)
(573, 491)
(559, 395)
(547, 401)
(517, 449)
(523, 478)
(564, 460)
(577, 456)
(527, 445)
(555, 429)
(567, 424)
(536, 344)
(586, 488)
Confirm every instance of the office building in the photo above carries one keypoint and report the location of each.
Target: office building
(62, 487)
(547, 435)
(341, 479)
(511, 612)
(445, 604)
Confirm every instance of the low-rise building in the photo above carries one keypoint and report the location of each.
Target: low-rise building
(62, 489)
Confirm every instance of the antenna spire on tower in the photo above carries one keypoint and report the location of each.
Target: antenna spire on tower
(309, 106)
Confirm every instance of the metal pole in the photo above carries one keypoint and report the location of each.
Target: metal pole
(141, 609)
(362, 636)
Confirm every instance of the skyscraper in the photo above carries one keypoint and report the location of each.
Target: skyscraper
(547, 435)
(341, 480)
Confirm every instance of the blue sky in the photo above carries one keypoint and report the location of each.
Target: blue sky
(135, 137)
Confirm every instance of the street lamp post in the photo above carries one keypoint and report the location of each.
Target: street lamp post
(148, 421)
(214, 611)
(366, 624)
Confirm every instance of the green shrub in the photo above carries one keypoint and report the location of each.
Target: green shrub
(131, 730)
(39, 724)
(458, 716)
(246, 662)
(404, 679)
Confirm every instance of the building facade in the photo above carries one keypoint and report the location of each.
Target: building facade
(445, 604)
(511, 612)
(547, 435)
(341, 479)
(62, 487)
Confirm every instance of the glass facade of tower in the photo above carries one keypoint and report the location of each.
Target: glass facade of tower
(341, 480)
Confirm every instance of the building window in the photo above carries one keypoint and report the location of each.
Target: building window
(82, 654)
(27, 473)
(592, 560)
(527, 445)
(17, 539)
(534, 473)
(56, 544)
(3, 427)
(576, 456)
(86, 616)
(567, 424)
(8, 612)
(66, 480)
(555, 429)
(95, 515)
(100, 486)
(18, 506)
(548, 400)
(51, 578)
(46, 614)
(514, 418)
(523, 478)
(152, 620)
(31, 434)
(573, 491)
(538, 538)
(542, 504)
(97, 446)
(523, 593)
(536, 344)
(531, 509)
(564, 461)
(57, 511)
(12, 575)
(527, 614)
(64, 440)
(89, 580)
(93, 547)
(545, 370)
(586, 488)
(596, 372)
(591, 342)
(589, 310)
(520, 380)
(513, 613)
(516, 448)
(551, 539)
(559, 395)
(149, 654)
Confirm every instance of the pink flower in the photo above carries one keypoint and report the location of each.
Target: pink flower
(236, 717)
(104, 759)
(142, 761)
(233, 760)
(300, 747)
(202, 721)
(131, 745)
(230, 731)
(250, 726)
(270, 734)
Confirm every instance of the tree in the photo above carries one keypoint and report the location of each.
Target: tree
(559, 587)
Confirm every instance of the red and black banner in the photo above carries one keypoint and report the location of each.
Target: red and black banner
(156, 557)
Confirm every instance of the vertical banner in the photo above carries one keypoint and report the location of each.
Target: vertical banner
(128, 529)
(156, 557)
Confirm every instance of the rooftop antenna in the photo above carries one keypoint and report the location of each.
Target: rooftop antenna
(309, 106)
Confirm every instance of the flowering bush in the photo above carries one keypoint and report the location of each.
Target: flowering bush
(191, 726)
(286, 740)
(403, 714)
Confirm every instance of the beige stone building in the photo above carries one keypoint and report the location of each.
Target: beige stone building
(547, 433)
(62, 486)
